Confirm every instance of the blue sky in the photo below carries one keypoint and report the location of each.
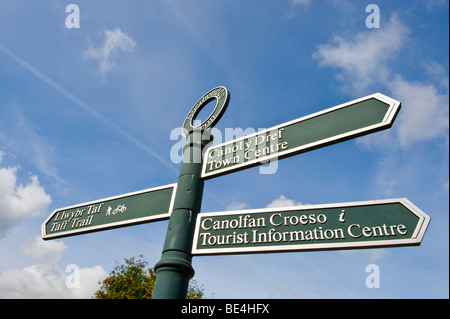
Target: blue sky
(88, 113)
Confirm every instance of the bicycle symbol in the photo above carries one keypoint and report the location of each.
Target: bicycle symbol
(118, 209)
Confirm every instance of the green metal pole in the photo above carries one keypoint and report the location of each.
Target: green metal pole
(174, 270)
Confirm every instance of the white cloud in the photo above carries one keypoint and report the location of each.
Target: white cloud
(23, 137)
(237, 206)
(283, 201)
(363, 60)
(431, 4)
(425, 114)
(377, 255)
(45, 281)
(365, 63)
(114, 41)
(304, 3)
(19, 202)
(48, 252)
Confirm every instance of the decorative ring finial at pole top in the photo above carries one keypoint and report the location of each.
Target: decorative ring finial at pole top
(222, 95)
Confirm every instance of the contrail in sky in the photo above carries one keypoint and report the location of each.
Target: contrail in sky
(61, 90)
(72, 98)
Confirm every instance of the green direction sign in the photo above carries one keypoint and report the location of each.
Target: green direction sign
(113, 212)
(353, 119)
(369, 224)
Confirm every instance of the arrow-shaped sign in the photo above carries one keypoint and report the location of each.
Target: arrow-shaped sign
(353, 119)
(369, 224)
(124, 210)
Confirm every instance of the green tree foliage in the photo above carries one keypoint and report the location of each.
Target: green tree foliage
(135, 280)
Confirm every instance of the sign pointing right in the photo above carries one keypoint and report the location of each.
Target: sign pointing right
(369, 224)
(366, 115)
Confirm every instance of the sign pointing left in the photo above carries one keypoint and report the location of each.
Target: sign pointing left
(124, 210)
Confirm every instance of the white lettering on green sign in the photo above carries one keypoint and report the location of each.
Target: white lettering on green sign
(118, 211)
(350, 120)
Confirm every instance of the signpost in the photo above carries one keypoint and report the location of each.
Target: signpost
(380, 223)
(113, 212)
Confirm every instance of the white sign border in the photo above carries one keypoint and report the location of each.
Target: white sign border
(415, 239)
